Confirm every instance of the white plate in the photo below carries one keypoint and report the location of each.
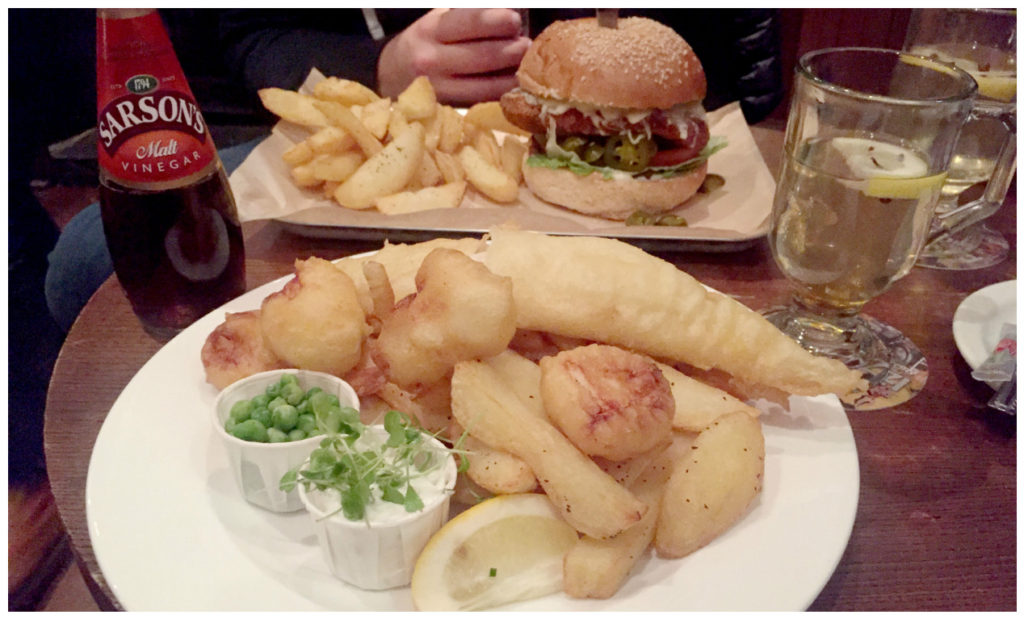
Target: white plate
(979, 319)
(171, 531)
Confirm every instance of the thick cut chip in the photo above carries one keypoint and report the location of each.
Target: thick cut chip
(587, 497)
(712, 485)
(344, 91)
(418, 101)
(448, 195)
(385, 173)
(343, 117)
(497, 471)
(337, 167)
(486, 177)
(698, 404)
(606, 290)
(488, 115)
(292, 106)
(596, 568)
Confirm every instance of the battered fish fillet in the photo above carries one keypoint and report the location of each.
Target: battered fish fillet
(608, 291)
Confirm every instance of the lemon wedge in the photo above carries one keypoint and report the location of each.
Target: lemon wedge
(505, 549)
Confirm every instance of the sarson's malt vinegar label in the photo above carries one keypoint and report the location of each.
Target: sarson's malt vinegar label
(151, 131)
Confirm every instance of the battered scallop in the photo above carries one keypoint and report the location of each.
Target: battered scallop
(316, 321)
(236, 349)
(608, 401)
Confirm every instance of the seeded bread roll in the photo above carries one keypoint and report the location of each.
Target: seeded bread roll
(591, 194)
(640, 63)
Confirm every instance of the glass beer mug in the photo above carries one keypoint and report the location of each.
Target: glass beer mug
(867, 149)
(982, 42)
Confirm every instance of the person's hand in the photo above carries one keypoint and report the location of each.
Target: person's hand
(469, 55)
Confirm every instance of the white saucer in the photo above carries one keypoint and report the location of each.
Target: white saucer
(979, 319)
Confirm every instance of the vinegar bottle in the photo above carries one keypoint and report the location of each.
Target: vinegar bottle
(168, 212)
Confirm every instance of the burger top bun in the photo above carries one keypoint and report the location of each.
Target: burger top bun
(639, 64)
(612, 199)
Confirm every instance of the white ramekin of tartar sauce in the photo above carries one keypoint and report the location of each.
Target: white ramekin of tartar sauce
(379, 551)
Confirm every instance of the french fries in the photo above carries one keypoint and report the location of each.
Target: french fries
(596, 568)
(384, 173)
(448, 195)
(491, 180)
(711, 486)
(293, 107)
(488, 115)
(350, 125)
(588, 498)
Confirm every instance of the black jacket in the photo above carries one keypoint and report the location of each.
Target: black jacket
(739, 48)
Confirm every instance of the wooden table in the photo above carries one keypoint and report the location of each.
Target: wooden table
(936, 520)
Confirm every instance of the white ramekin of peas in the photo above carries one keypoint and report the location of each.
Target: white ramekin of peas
(268, 425)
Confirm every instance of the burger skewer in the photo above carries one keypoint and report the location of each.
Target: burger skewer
(608, 18)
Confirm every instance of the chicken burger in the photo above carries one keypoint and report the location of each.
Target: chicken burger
(616, 115)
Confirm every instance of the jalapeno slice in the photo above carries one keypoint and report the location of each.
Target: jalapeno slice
(574, 143)
(622, 154)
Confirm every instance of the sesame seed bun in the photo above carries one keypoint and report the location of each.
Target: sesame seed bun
(639, 64)
(615, 198)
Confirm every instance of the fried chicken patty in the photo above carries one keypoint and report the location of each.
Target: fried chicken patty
(527, 112)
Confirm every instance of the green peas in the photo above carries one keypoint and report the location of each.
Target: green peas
(276, 402)
(286, 417)
(276, 436)
(286, 412)
(292, 393)
(250, 430)
(306, 423)
(241, 410)
(264, 416)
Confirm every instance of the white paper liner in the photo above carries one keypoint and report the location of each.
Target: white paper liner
(738, 211)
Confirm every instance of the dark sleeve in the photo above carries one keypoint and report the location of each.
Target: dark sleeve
(279, 47)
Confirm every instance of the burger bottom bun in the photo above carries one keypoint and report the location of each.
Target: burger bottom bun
(615, 198)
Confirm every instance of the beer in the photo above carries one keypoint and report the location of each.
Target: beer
(168, 212)
(982, 136)
(851, 216)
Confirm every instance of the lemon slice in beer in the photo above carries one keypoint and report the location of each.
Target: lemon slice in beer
(998, 85)
(888, 170)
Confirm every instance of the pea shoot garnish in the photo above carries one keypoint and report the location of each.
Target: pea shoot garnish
(363, 467)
